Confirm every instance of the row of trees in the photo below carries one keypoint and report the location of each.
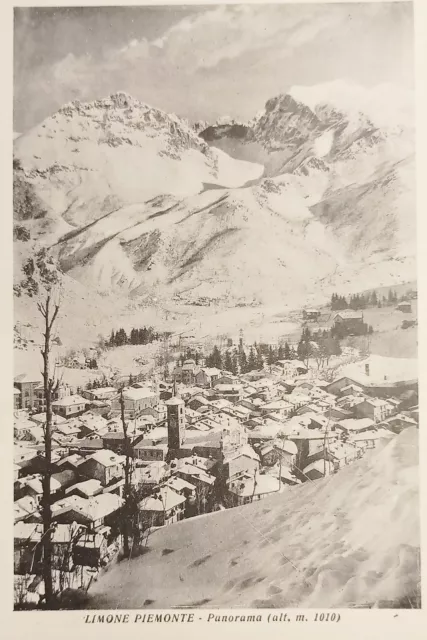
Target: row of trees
(144, 335)
(364, 300)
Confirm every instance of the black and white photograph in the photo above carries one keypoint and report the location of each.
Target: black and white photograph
(215, 311)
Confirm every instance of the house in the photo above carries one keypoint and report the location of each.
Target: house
(26, 508)
(146, 451)
(226, 378)
(268, 455)
(69, 406)
(182, 487)
(86, 445)
(231, 392)
(92, 422)
(158, 413)
(382, 377)
(116, 441)
(193, 471)
(31, 485)
(263, 430)
(26, 385)
(23, 456)
(60, 392)
(342, 453)
(317, 469)
(309, 442)
(339, 384)
(191, 416)
(102, 393)
(187, 373)
(355, 425)
(28, 552)
(151, 475)
(163, 507)
(292, 367)
(250, 488)
(351, 389)
(16, 399)
(404, 306)
(244, 461)
(94, 512)
(286, 451)
(373, 408)
(349, 322)
(135, 401)
(399, 422)
(206, 377)
(85, 489)
(311, 314)
(104, 465)
(71, 429)
(281, 408)
(369, 439)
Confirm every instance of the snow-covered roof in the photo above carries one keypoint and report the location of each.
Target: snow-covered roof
(88, 487)
(276, 405)
(245, 450)
(165, 500)
(74, 460)
(374, 434)
(178, 484)
(349, 314)
(26, 377)
(318, 465)
(92, 508)
(228, 387)
(263, 484)
(174, 401)
(69, 401)
(35, 483)
(211, 371)
(288, 446)
(356, 424)
(383, 371)
(138, 394)
(106, 458)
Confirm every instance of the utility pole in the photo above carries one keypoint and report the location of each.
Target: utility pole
(49, 316)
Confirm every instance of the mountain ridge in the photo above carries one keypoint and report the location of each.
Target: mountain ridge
(136, 202)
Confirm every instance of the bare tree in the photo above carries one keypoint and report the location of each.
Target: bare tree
(49, 312)
(127, 489)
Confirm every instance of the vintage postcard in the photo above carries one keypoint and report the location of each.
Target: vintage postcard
(215, 317)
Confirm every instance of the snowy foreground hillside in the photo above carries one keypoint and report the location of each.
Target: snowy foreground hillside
(347, 540)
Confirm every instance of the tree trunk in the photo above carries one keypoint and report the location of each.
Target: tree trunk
(125, 519)
(48, 384)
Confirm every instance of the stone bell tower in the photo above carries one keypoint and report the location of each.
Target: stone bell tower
(176, 422)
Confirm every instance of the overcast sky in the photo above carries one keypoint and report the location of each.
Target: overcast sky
(202, 62)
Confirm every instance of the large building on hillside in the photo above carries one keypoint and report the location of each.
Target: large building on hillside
(349, 322)
(135, 401)
(379, 376)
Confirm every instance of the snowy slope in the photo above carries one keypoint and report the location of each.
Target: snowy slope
(90, 159)
(137, 204)
(351, 539)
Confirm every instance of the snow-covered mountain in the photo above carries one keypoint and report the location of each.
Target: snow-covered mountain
(134, 202)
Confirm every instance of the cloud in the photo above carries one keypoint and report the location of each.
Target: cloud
(244, 51)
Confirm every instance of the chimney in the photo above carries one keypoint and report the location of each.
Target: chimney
(367, 369)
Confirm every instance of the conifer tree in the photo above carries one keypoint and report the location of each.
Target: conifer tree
(252, 363)
(228, 363)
